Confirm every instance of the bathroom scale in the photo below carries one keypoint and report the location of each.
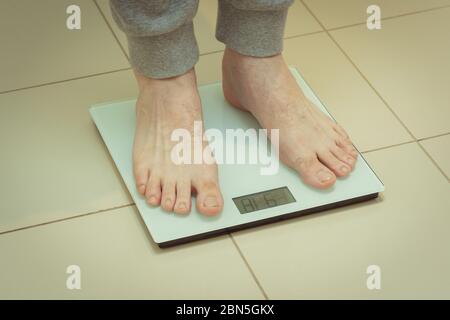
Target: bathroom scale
(250, 197)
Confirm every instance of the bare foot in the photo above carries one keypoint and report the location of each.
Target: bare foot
(164, 105)
(310, 142)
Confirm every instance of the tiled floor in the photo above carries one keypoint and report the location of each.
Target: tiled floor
(62, 201)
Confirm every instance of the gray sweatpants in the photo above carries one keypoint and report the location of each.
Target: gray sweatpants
(161, 37)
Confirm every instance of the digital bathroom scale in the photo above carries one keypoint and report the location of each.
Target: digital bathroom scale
(250, 199)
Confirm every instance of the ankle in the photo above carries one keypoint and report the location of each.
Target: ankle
(240, 68)
(183, 80)
(234, 56)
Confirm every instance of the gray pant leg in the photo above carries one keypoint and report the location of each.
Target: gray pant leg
(160, 35)
(252, 27)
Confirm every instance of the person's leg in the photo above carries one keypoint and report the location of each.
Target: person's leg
(257, 79)
(163, 52)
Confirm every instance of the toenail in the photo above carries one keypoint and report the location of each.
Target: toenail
(182, 205)
(324, 176)
(344, 169)
(210, 202)
(168, 202)
(152, 199)
(349, 159)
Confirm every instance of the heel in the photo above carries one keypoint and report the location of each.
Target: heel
(228, 94)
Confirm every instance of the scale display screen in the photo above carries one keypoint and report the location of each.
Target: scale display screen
(263, 200)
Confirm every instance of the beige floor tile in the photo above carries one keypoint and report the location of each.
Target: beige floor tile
(332, 13)
(439, 150)
(54, 163)
(300, 21)
(326, 256)
(209, 69)
(38, 48)
(347, 95)
(407, 61)
(118, 260)
(103, 5)
(205, 27)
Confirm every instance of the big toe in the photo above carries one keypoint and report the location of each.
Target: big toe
(153, 191)
(314, 173)
(141, 176)
(209, 199)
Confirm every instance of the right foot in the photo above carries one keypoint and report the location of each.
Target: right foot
(164, 105)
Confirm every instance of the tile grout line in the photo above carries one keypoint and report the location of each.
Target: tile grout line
(417, 142)
(432, 160)
(68, 218)
(112, 31)
(248, 267)
(65, 80)
(303, 34)
(374, 90)
(427, 153)
(83, 77)
(211, 52)
(388, 147)
(384, 19)
(432, 137)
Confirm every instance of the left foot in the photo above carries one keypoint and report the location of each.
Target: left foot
(310, 142)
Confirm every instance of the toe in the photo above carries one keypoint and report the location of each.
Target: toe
(313, 172)
(153, 191)
(341, 131)
(141, 175)
(183, 202)
(343, 156)
(339, 168)
(209, 199)
(168, 196)
(347, 146)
